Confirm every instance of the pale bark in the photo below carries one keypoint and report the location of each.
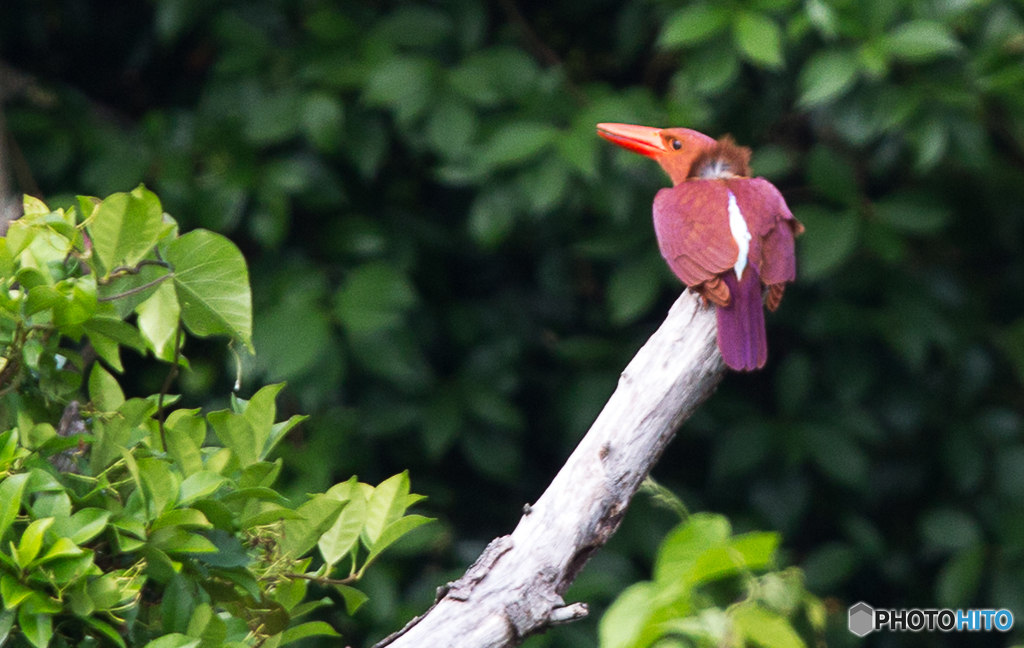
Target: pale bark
(515, 588)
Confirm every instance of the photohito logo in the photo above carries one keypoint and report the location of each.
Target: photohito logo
(864, 619)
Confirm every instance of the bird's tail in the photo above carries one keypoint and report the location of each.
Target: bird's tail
(741, 334)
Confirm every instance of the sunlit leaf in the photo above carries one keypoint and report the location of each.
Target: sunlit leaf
(125, 227)
(212, 283)
(765, 627)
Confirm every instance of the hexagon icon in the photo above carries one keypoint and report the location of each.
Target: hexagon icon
(862, 619)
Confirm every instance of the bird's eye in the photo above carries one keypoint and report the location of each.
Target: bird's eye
(676, 144)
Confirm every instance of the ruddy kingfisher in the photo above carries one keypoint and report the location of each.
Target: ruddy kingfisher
(727, 236)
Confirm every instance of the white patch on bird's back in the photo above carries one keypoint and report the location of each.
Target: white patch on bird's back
(740, 233)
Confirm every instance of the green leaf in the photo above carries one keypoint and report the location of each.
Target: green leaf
(212, 283)
(31, 541)
(402, 84)
(185, 433)
(385, 505)
(318, 514)
(828, 566)
(231, 553)
(756, 549)
(625, 622)
(1010, 341)
(920, 41)
(174, 640)
(838, 455)
(833, 176)
(37, 628)
(339, 540)
(11, 489)
(633, 288)
(913, 213)
(13, 591)
(374, 296)
(259, 493)
(62, 548)
(278, 432)
(322, 119)
(83, 526)
(827, 75)
(303, 608)
(515, 143)
(199, 485)
(763, 627)
(354, 598)
(693, 24)
(106, 631)
(711, 627)
(121, 332)
(685, 545)
(270, 514)
(759, 39)
(292, 337)
(261, 411)
(7, 617)
(492, 216)
(40, 603)
(311, 629)
(260, 474)
(160, 483)
(104, 390)
(9, 449)
(116, 434)
(125, 227)
(236, 433)
(158, 320)
(393, 532)
(174, 540)
(829, 241)
(178, 604)
(182, 517)
(947, 529)
(290, 593)
(958, 581)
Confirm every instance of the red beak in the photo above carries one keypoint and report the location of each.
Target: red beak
(639, 139)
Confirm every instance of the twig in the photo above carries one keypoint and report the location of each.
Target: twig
(136, 290)
(323, 580)
(124, 271)
(515, 589)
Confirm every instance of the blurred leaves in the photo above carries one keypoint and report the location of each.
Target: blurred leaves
(683, 601)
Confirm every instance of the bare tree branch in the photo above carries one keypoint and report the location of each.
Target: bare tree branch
(515, 588)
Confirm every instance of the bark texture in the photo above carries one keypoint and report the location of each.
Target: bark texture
(515, 588)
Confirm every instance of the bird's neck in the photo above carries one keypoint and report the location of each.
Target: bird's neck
(723, 160)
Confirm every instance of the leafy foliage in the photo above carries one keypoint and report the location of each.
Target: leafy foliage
(443, 153)
(121, 523)
(706, 592)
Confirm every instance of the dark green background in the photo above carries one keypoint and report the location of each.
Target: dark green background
(450, 269)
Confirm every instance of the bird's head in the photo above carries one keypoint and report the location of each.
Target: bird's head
(681, 152)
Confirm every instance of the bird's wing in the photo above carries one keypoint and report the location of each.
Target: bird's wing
(692, 224)
(772, 250)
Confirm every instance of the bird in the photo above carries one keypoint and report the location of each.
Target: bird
(727, 236)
